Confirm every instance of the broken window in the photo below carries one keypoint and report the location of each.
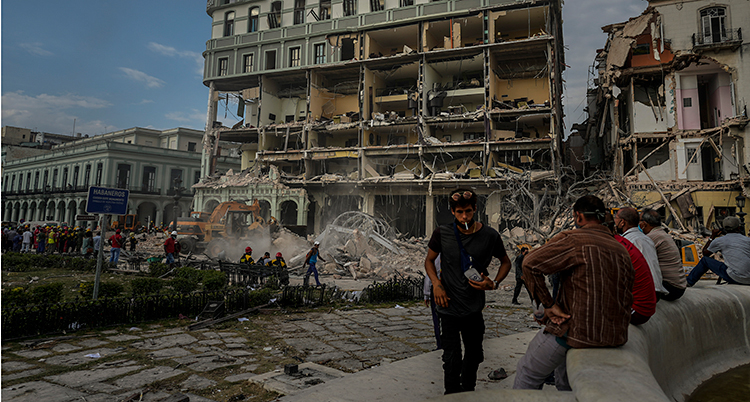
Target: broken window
(347, 49)
(350, 7)
(453, 33)
(247, 63)
(325, 9)
(392, 93)
(271, 60)
(223, 67)
(191, 146)
(282, 96)
(335, 100)
(454, 86)
(299, 12)
(519, 24)
(320, 53)
(377, 5)
(713, 24)
(294, 57)
(274, 17)
(392, 41)
(252, 23)
(229, 23)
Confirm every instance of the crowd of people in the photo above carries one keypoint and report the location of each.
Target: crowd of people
(609, 272)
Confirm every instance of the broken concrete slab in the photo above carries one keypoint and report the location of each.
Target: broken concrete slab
(197, 382)
(83, 377)
(310, 374)
(64, 348)
(16, 366)
(32, 354)
(169, 353)
(123, 338)
(76, 358)
(239, 377)
(165, 342)
(22, 374)
(40, 391)
(209, 361)
(146, 377)
(92, 343)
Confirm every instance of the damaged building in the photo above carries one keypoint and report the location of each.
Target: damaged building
(382, 106)
(668, 114)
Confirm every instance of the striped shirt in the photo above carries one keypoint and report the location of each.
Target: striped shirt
(596, 278)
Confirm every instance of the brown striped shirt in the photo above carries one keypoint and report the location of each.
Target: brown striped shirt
(596, 278)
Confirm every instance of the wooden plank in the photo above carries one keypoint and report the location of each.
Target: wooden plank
(666, 200)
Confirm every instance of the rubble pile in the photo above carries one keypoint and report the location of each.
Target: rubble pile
(357, 245)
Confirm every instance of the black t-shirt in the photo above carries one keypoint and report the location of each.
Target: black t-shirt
(482, 246)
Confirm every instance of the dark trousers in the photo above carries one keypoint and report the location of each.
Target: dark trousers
(460, 373)
(517, 291)
(674, 292)
(435, 323)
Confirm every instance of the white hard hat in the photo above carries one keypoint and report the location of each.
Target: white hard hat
(174, 233)
(317, 243)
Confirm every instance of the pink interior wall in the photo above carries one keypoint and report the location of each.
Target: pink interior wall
(688, 118)
(721, 99)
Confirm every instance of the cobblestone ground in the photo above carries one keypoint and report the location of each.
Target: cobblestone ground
(160, 362)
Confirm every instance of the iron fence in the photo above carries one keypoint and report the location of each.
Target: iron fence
(245, 274)
(42, 319)
(401, 289)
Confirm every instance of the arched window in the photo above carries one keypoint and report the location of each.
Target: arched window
(229, 23)
(252, 23)
(713, 24)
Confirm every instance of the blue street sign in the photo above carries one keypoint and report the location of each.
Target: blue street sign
(102, 200)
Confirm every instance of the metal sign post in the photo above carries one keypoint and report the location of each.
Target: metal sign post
(99, 256)
(102, 200)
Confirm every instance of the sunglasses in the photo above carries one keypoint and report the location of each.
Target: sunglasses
(466, 194)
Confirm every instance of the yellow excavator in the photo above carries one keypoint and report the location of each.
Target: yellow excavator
(228, 223)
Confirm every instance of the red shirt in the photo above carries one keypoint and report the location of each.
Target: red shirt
(116, 241)
(644, 293)
(169, 246)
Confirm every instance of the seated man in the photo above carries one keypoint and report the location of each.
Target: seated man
(734, 247)
(644, 294)
(670, 259)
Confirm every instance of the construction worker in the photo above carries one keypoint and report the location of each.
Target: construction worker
(266, 259)
(247, 258)
(133, 241)
(170, 247)
(279, 261)
(312, 259)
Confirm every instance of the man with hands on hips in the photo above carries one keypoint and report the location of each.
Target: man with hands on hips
(466, 248)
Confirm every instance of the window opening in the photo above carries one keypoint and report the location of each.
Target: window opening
(294, 57)
(320, 53)
(271, 60)
(247, 63)
(229, 23)
(252, 23)
(274, 17)
(299, 12)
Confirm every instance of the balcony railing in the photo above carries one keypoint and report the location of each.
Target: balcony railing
(730, 37)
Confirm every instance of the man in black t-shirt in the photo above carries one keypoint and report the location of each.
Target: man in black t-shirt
(460, 300)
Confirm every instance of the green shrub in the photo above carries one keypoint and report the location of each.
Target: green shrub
(214, 280)
(158, 269)
(146, 286)
(17, 262)
(47, 293)
(18, 295)
(183, 285)
(192, 274)
(81, 264)
(106, 289)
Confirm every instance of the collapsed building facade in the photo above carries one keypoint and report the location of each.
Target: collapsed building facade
(382, 106)
(669, 116)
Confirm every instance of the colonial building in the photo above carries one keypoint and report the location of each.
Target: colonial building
(669, 113)
(384, 106)
(54, 185)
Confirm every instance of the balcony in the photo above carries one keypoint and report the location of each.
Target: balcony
(730, 39)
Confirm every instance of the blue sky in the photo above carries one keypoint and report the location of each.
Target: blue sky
(112, 65)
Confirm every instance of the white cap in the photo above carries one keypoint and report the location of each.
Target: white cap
(317, 243)
(174, 233)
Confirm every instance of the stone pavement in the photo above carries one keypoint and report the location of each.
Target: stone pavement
(165, 360)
